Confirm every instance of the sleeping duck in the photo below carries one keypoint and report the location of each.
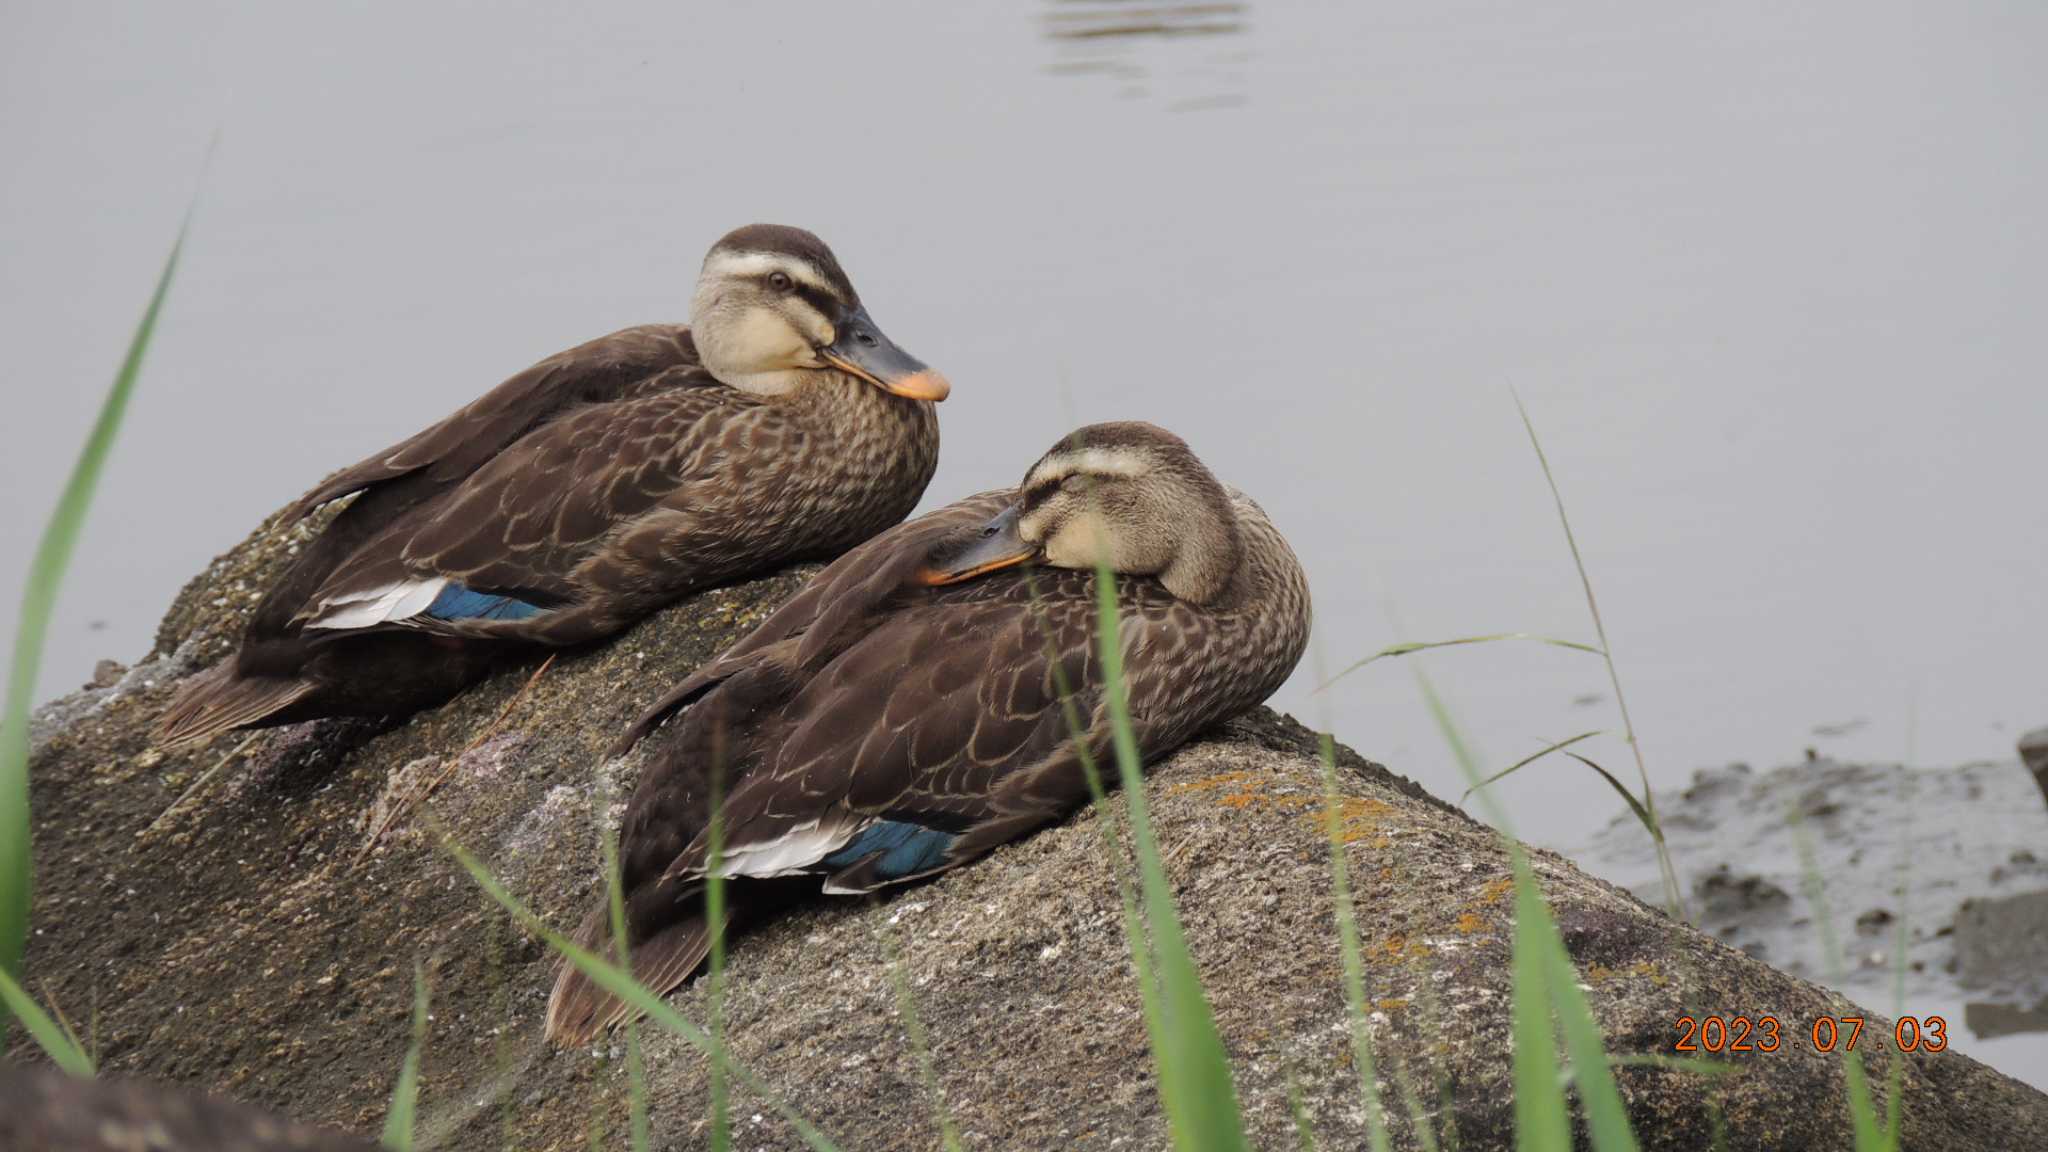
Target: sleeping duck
(902, 715)
(590, 490)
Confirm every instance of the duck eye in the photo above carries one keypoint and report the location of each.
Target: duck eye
(779, 281)
(988, 531)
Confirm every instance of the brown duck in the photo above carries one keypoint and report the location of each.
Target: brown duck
(590, 490)
(901, 716)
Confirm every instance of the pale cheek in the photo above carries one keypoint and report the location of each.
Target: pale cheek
(763, 341)
(1079, 542)
(820, 329)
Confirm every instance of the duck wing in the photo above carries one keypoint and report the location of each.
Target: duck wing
(605, 369)
(940, 733)
(393, 483)
(586, 511)
(833, 610)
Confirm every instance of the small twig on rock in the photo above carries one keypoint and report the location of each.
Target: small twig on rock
(197, 785)
(415, 797)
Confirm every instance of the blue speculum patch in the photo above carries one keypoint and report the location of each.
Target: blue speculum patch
(906, 848)
(458, 603)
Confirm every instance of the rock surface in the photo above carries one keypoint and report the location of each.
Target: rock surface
(223, 917)
(2034, 754)
(48, 1111)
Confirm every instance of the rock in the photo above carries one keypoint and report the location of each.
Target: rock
(49, 1110)
(1992, 1020)
(2034, 754)
(1722, 895)
(220, 913)
(2002, 943)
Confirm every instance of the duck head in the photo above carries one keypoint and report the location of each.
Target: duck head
(1130, 494)
(773, 307)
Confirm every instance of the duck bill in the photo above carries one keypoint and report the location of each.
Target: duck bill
(994, 547)
(860, 349)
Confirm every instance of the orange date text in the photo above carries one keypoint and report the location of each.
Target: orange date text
(1825, 1034)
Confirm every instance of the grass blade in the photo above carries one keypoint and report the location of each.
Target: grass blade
(1525, 761)
(714, 922)
(1297, 1110)
(1425, 645)
(55, 1041)
(1541, 1123)
(1547, 1000)
(1133, 924)
(1868, 1130)
(1643, 814)
(1606, 1115)
(405, 1098)
(1194, 1071)
(45, 576)
(920, 1043)
(1353, 955)
(620, 983)
(1674, 897)
(622, 955)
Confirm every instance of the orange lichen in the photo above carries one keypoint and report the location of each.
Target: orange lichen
(1223, 780)
(1402, 948)
(1496, 888)
(1357, 819)
(1469, 923)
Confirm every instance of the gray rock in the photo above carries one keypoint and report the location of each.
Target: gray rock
(219, 912)
(2034, 754)
(48, 1111)
(2002, 943)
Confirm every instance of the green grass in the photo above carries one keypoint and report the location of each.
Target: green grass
(714, 991)
(1674, 896)
(58, 1042)
(1410, 648)
(920, 1043)
(1187, 1052)
(38, 600)
(1871, 1133)
(619, 982)
(1546, 994)
(622, 952)
(1352, 954)
(400, 1122)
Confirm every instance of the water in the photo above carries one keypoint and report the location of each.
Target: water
(1770, 281)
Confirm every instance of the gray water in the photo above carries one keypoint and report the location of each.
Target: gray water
(1769, 278)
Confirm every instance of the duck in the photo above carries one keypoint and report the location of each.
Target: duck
(779, 426)
(902, 716)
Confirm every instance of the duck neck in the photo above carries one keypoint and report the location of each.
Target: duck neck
(1208, 567)
(873, 434)
(1271, 584)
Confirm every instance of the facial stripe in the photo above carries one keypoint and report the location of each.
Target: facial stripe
(1089, 461)
(824, 303)
(748, 265)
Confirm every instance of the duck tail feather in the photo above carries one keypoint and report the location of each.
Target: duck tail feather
(218, 699)
(579, 1011)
